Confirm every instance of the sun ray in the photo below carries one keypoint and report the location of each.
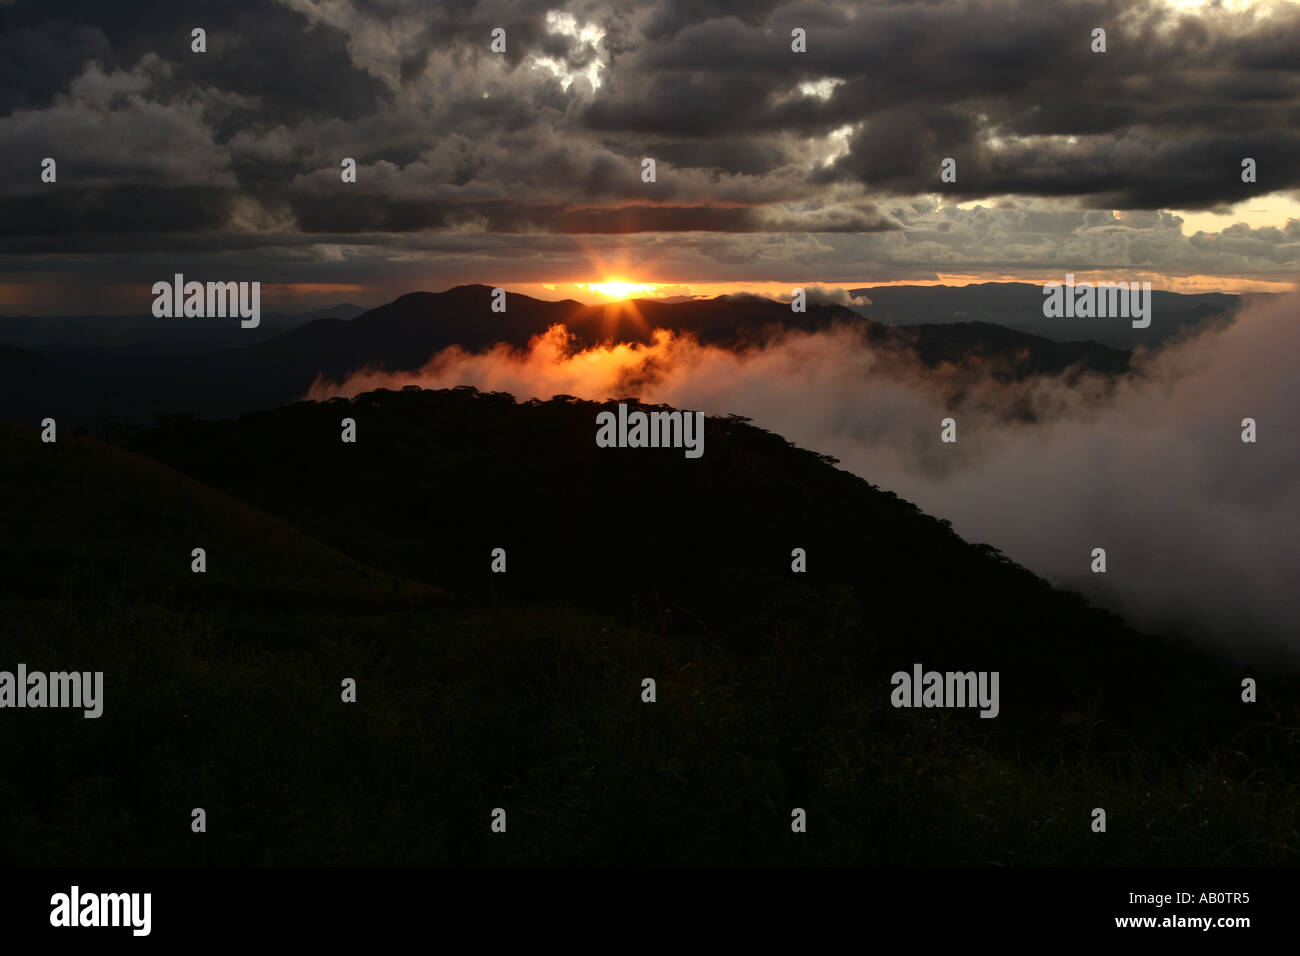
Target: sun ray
(620, 311)
(620, 288)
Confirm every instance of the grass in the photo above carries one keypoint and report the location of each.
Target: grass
(222, 691)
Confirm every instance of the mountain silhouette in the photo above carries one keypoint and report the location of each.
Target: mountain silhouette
(404, 334)
(1019, 305)
(525, 689)
(438, 479)
(103, 387)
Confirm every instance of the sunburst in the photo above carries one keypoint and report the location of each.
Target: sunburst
(621, 288)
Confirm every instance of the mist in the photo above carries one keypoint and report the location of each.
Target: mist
(1199, 527)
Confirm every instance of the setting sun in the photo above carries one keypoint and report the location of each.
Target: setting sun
(620, 289)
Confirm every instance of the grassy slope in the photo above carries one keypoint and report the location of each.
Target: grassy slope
(230, 701)
(85, 514)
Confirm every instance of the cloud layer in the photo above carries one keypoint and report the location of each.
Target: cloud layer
(1199, 528)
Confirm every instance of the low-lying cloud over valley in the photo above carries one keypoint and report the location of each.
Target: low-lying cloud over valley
(1199, 527)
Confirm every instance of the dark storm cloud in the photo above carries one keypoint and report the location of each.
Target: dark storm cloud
(749, 137)
(37, 61)
(510, 216)
(256, 47)
(1164, 116)
(114, 211)
(671, 16)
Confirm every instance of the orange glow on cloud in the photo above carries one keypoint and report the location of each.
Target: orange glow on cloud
(548, 366)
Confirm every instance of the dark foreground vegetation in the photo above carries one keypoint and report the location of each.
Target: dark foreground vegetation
(523, 690)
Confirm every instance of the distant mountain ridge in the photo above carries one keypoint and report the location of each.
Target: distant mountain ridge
(94, 385)
(146, 333)
(1019, 305)
(404, 334)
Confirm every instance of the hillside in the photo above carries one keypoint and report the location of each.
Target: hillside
(84, 519)
(773, 688)
(439, 479)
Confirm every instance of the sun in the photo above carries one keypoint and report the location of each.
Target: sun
(621, 288)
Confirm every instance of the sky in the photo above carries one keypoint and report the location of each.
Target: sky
(523, 169)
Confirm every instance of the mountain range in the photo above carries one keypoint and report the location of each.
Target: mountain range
(1019, 305)
(96, 385)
